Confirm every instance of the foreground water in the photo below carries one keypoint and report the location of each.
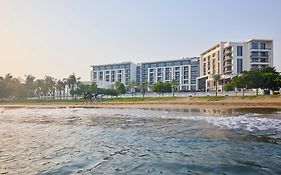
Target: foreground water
(138, 141)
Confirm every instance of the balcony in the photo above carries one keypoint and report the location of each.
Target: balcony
(228, 57)
(227, 71)
(260, 48)
(259, 60)
(227, 64)
(258, 56)
(227, 52)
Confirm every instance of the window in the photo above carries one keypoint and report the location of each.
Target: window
(254, 60)
(204, 69)
(264, 54)
(101, 76)
(262, 45)
(107, 78)
(255, 54)
(255, 66)
(255, 46)
(94, 75)
(264, 60)
(239, 65)
(177, 63)
(119, 78)
(239, 51)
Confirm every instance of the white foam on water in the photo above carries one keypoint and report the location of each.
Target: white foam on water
(249, 121)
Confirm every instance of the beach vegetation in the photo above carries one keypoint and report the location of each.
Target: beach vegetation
(132, 87)
(216, 78)
(120, 87)
(72, 82)
(162, 87)
(266, 78)
(143, 87)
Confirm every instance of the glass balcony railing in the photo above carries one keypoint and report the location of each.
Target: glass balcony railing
(259, 56)
(257, 48)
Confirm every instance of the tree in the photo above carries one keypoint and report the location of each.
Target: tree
(2, 88)
(29, 86)
(93, 87)
(216, 78)
(82, 88)
(173, 83)
(161, 87)
(270, 78)
(120, 87)
(49, 85)
(72, 83)
(8, 81)
(10, 87)
(132, 86)
(264, 78)
(39, 87)
(143, 87)
(18, 89)
(229, 86)
(254, 79)
(60, 86)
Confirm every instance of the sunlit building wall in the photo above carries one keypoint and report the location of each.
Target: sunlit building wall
(231, 58)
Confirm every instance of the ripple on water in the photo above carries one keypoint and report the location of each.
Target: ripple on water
(126, 141)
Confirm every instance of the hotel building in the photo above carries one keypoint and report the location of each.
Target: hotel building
(231, 58)
(106, 75)
(183, 71)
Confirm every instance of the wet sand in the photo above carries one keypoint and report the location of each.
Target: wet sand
(177, 103)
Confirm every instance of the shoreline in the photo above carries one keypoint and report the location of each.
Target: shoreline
(176, 103)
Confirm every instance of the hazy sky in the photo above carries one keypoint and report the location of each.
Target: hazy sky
(59, 37)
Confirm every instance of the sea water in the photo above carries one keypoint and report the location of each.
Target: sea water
(139, 141)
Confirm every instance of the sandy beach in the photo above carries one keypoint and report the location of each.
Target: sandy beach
(175, 103)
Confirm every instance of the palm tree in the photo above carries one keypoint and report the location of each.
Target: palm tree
(216, 78)
(72, 83)
(50, 83)
(8, 80)
(29, 85)
(143, 86)
(132, 86)
(39, 86)
(65, 80)
(173, 83)
(60, 86)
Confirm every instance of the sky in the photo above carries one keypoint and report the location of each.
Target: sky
(61, 37)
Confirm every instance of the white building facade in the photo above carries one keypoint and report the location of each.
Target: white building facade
(106, 75)
(183, 71)
(231, 58)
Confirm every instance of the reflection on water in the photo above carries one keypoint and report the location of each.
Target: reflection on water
(138, 141)
(222, 110)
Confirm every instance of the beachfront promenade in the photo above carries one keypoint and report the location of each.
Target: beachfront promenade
(190, 94)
